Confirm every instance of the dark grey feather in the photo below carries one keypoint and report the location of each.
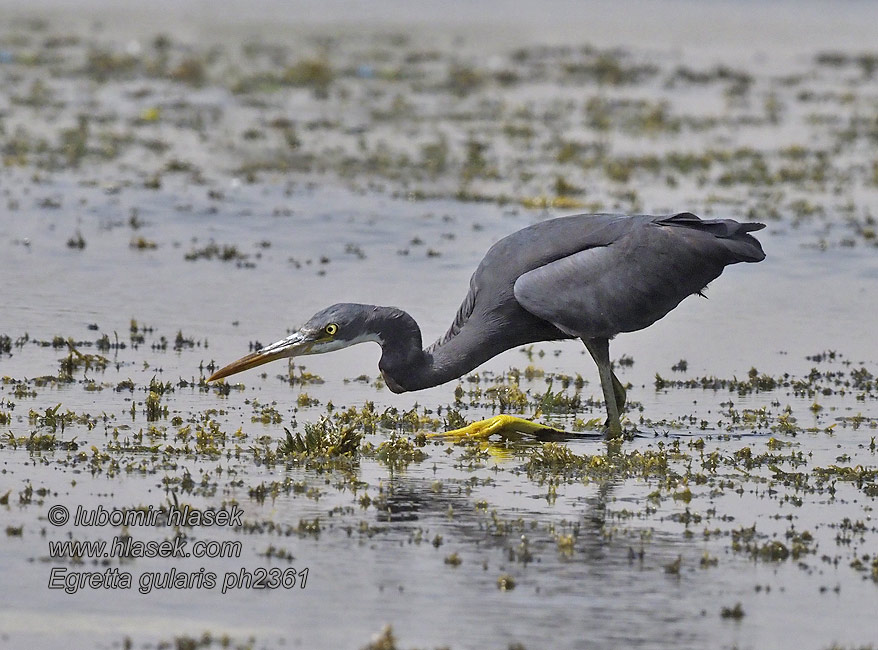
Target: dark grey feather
(463, 313)
(649, 267)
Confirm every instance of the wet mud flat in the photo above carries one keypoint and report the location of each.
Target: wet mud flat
(173, 197)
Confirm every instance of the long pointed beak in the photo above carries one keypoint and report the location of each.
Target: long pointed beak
(294, 345)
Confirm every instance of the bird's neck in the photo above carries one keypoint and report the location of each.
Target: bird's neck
(401, 351)
(406, 366)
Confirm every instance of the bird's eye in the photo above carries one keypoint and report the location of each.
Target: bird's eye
(331, 329)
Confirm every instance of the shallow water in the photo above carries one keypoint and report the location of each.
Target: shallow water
(644, 546)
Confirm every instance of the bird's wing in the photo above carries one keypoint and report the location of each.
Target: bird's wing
(573, 293)
(535, 245)
(625, 285)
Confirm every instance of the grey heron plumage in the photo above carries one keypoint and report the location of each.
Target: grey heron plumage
(586, 276)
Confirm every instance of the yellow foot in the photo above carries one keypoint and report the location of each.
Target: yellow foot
(504, 425)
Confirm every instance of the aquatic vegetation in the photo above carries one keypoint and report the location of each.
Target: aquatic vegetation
(77, 360)
(735, 612)
(386, 640)
(224, 253)
(323, 438)
(309, 72)
(51, 419)
(553, 459)
(559, 402)
(506, 582)
(398, 452)
(38, 442)
(611, 67)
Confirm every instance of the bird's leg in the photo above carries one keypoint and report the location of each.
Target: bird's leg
(600, 352)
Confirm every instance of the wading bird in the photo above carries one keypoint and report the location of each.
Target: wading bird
(585, 276)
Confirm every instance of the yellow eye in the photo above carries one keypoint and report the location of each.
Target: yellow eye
(331, 329)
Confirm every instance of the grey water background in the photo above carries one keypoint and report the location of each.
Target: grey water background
(807, 297)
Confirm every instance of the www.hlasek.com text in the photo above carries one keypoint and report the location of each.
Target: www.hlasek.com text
(125, 546)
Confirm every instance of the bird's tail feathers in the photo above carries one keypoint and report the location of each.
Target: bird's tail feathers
(742, 246)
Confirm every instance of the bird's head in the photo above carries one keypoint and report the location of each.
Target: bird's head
(333, 328)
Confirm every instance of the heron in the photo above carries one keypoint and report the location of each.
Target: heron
(589, 276)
